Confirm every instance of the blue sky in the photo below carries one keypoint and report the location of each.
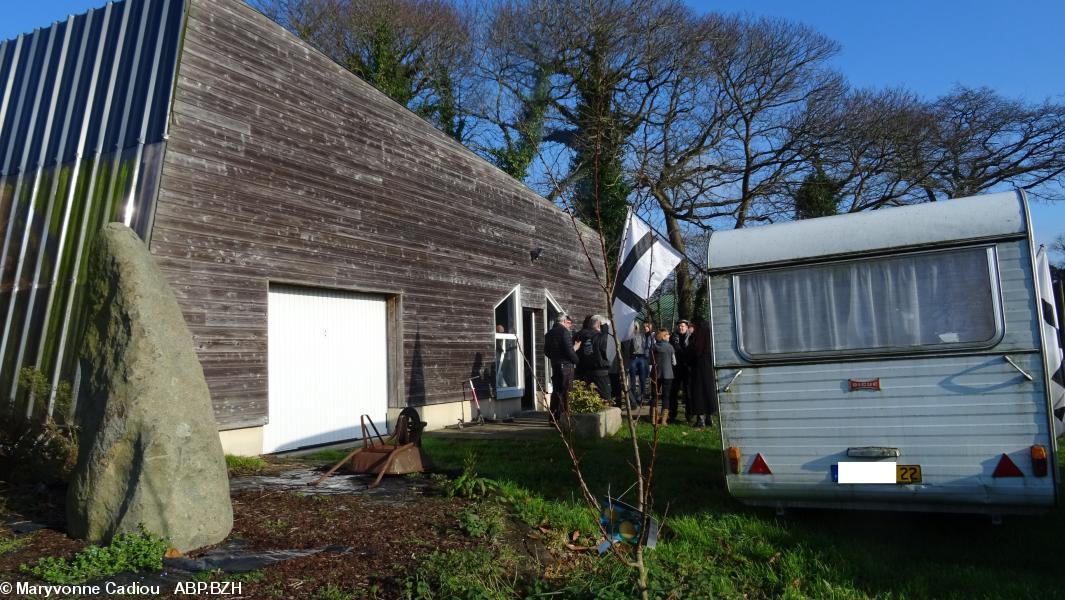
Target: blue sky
(927, 46)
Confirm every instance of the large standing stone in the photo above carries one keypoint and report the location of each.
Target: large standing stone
(149, 449)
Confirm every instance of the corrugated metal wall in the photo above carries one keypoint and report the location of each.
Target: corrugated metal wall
(84, 109)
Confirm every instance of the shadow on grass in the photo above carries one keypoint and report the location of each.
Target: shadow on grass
(818, 553)
(687, 477)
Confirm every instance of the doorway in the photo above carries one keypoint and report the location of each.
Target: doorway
(553, 310)
(530, 334)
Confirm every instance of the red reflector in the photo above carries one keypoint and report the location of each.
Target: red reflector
(758, 467)
(1006, 468)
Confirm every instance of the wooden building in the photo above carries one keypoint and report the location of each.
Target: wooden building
(333, 253)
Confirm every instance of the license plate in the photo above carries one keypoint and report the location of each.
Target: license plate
(907, 473)
(904, 474)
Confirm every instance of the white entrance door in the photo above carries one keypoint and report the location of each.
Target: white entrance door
(327, 366)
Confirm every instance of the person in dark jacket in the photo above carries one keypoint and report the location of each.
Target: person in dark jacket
(595, 353)
(617, 368)
(702, 376)
(559, 349)
(608, 353)
(680, 341)
(664, 361)
(587, 332)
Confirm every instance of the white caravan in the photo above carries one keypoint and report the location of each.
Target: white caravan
(889, 359)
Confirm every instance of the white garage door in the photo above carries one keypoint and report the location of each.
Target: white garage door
(328, 365)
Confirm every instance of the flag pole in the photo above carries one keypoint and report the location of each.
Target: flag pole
(621, 250)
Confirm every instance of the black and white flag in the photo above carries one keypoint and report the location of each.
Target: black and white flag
(1052, 351)
(645, 262)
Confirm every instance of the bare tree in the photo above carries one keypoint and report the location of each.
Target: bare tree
(417, 51)
(518, 78)
(726, 133)
(623, 58)
(771, 72)
(889, 147)
(578, 77)
(676, 150)
(985, 140)
(875, 144)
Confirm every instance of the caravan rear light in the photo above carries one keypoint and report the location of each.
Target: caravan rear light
(734, 460)
(1006, 468)
(1039, 460)
(758, 467)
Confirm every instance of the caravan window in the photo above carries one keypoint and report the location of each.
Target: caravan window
(923, 302)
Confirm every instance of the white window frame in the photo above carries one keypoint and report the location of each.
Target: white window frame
(549, 303)
(515, 391)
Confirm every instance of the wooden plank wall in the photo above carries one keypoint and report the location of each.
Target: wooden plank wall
(282, 166)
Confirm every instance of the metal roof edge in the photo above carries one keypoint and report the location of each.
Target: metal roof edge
(976, 218)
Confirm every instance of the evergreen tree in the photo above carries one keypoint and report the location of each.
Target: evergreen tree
(602, 190)
(818, 196)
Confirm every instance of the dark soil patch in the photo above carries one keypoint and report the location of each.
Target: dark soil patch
(45, 504)
(35, 545)
(386, 532)
(387, 541)
(31, 521)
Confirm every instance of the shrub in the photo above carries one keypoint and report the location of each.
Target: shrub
(483, 522)
(583, 399)
(141, 551)
(35, 385)
(469, 484)
(41, 447)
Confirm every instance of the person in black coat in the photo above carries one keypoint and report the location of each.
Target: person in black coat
(559, 349)
(617, 367)
(608, 353)
(596, 352)
(702, 375)
(681, 340)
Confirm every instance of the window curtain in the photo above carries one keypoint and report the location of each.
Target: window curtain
(931, 299)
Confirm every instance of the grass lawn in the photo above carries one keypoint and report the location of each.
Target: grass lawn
(712, 546)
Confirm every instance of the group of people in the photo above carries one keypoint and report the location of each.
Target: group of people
(663, 368)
